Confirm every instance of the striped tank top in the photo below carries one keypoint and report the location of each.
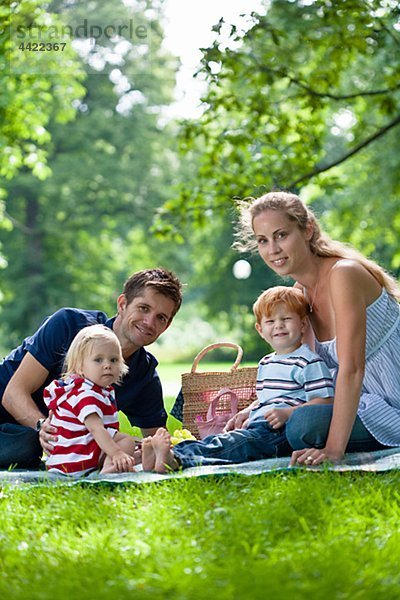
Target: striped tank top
(379, 407)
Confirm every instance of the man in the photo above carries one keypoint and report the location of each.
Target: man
(146, 307)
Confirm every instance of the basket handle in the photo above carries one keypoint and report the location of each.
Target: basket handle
(207, 349)
(213, 404)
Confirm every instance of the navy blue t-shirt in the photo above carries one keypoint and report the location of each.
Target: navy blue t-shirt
(139, 396)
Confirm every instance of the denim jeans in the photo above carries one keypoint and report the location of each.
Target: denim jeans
(308, 427)
(258, 441)
(19, 446)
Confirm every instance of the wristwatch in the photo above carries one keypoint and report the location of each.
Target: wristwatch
(39, 424)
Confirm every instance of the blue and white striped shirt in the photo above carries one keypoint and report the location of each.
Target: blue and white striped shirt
(291, 379)
(379, 407)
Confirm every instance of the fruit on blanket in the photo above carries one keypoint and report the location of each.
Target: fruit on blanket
(180, 435)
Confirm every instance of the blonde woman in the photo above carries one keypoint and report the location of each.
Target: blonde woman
(355, 327)
(84, 409)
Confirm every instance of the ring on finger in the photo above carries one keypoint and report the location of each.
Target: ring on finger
(309, 459)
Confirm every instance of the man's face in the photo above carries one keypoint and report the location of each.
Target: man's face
(143, 320)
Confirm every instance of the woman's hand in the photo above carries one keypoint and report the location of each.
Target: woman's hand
(314, 456)
(47, 435)
(238, 421)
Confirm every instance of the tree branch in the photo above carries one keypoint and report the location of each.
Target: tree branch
(355, 150)
(18, 224)
(312, 92)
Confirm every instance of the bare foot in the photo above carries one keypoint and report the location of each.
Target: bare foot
(137, 455)
(148, 454)
(165, 459)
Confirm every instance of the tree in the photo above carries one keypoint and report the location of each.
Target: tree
(110, 168)
(307, 99)
(308, 89)
(30, 97)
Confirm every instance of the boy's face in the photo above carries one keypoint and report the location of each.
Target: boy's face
(282, 329)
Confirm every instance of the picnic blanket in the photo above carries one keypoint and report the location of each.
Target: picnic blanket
(381, 460)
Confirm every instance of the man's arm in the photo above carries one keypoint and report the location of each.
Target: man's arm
(17, 397)
(148, 432)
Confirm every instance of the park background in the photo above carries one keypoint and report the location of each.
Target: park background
(103, 173)
(101, 176)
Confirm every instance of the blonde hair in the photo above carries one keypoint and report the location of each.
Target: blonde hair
(292, 298)
(320, 243)
(82, 345)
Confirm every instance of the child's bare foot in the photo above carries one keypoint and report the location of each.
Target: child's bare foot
(137, 455)
(148, 454)
(165, 459)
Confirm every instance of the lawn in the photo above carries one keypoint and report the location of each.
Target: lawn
(293, 535)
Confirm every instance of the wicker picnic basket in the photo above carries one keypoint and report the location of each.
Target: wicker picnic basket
(199, 389)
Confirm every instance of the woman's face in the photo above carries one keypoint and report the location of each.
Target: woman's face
(282, 245)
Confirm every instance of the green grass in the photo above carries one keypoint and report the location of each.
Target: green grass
(297, 536)
(294, 535)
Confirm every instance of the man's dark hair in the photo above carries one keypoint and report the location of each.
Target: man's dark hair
(160, 280)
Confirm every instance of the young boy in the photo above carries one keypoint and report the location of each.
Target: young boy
(287, 379)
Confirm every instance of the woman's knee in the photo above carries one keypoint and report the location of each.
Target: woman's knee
(308, 427)
(296, 432)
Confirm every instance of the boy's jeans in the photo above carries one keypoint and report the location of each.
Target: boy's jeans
(307, 427)
(258, 441)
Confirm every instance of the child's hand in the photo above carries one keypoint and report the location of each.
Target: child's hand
(123, 462)
(238, 421)
(277, 417)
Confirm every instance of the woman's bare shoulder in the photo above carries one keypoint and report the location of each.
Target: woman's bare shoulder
(350, 274)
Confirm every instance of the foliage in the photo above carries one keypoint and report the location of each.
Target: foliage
(298, 535)
(309, 87)
(31, 97)
(77, 235)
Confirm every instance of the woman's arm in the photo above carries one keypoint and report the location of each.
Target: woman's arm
(350, 289)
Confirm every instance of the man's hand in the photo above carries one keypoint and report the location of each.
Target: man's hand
(47, 435)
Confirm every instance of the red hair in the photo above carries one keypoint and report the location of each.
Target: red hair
(293, 298)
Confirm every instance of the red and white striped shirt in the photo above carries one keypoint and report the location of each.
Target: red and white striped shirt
(72, 399)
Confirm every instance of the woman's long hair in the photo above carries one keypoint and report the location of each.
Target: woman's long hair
(320, 243)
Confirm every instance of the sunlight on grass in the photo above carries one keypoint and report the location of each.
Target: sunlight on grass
(296, 535)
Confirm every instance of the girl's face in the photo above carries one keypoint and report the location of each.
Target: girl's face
(282, 245)
(102, 365)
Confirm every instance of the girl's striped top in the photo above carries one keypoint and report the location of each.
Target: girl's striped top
(72, 399)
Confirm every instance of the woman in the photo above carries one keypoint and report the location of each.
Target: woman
(355, 327)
